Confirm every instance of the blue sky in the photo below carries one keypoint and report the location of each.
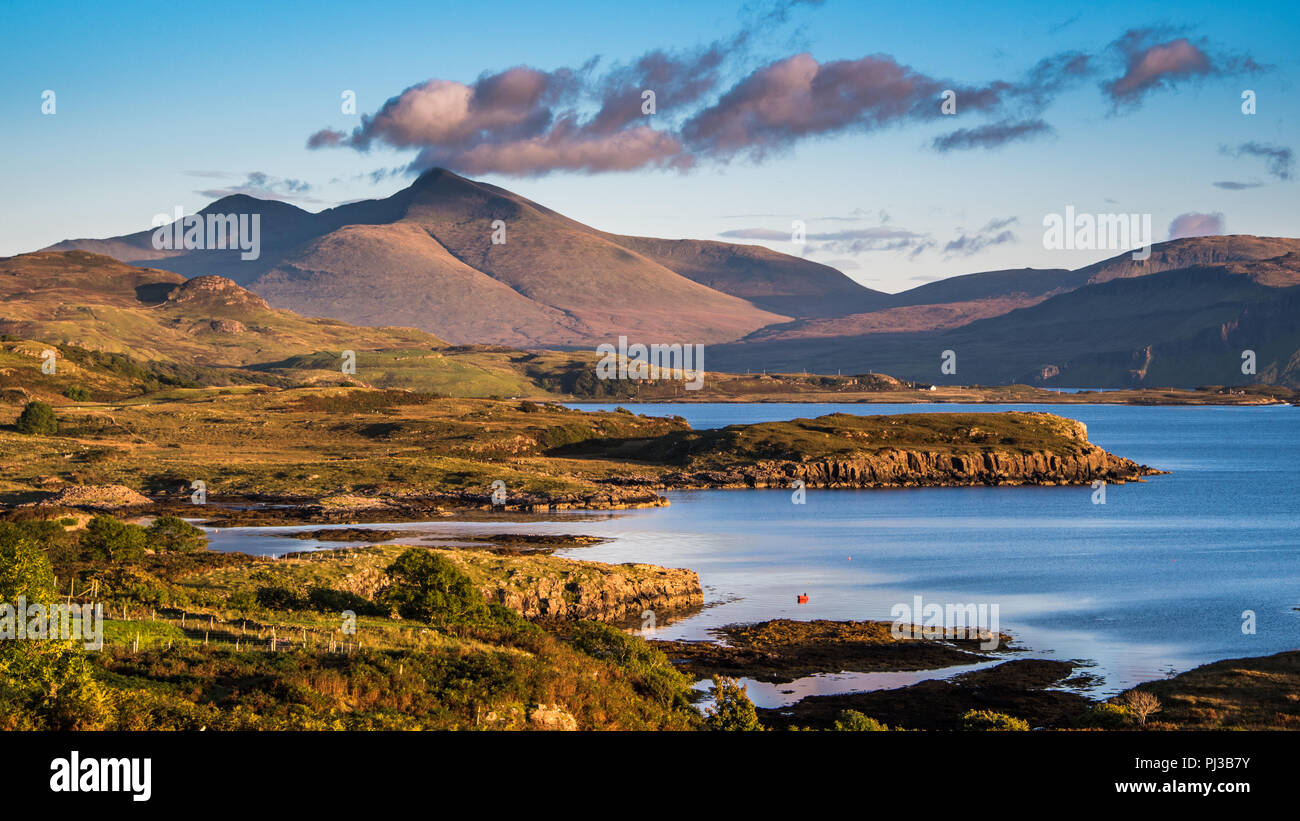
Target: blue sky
(158, 103)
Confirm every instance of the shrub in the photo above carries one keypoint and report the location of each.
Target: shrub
(854, 721)
(652, 674)
(172, 534)
(1106, 716)
(45, 684)
(61, 546)
(77, 393)
(37, 419)
(275, 597)
(243, 600)
(428, 587)
(328, 600)
(106, 539)
(989, 720)
(732, 710)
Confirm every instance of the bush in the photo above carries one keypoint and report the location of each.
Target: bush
(328, 600)
(854, 721)
(37, 419)
(652, 674)
(243, 600)
(732, 710)
(61, 546)
(77, 393)
(1106, 716)
(274, 597)
(45, 684)
(986, 720)
(172, 534)
(428, 587)
(108, 540)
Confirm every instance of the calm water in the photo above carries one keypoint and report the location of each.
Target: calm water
(1153, 581)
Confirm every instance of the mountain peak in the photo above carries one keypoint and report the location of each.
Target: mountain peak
(246, 203)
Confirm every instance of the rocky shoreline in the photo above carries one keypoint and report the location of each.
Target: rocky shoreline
(908, 468)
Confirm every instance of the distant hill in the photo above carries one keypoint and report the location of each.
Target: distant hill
(424, 257)
(120, 330)
(1126, 325)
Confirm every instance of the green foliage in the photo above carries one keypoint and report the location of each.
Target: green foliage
(732, 710)
(328, 600)
(854, 721)
(37, 419)
(558, 436)
(652, 674)
(275, 597)
(60, 544)
(428, 587)
(172, 534)
(24, 569)
(108, 540)
(45, 684)
(77, 393)
(1106, 716)
(990, 720)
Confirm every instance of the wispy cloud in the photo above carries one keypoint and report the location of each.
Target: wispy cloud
(1229, 185)
(1278, 160)
(852, 241)
(992, 135)
(257, 184)
(995, 232)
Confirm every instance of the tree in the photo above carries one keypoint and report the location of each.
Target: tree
(108, 540)
(45, 684)
(854, 721)
(172, 534)
(1141, 704)
(37, 419)
(429, 587)
(732, 710)
(989, 720)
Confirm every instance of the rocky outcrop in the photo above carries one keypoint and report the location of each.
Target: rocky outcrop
(590, 590)
(96, 497)
(903, 450)
(214, 291)
(909, 468)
